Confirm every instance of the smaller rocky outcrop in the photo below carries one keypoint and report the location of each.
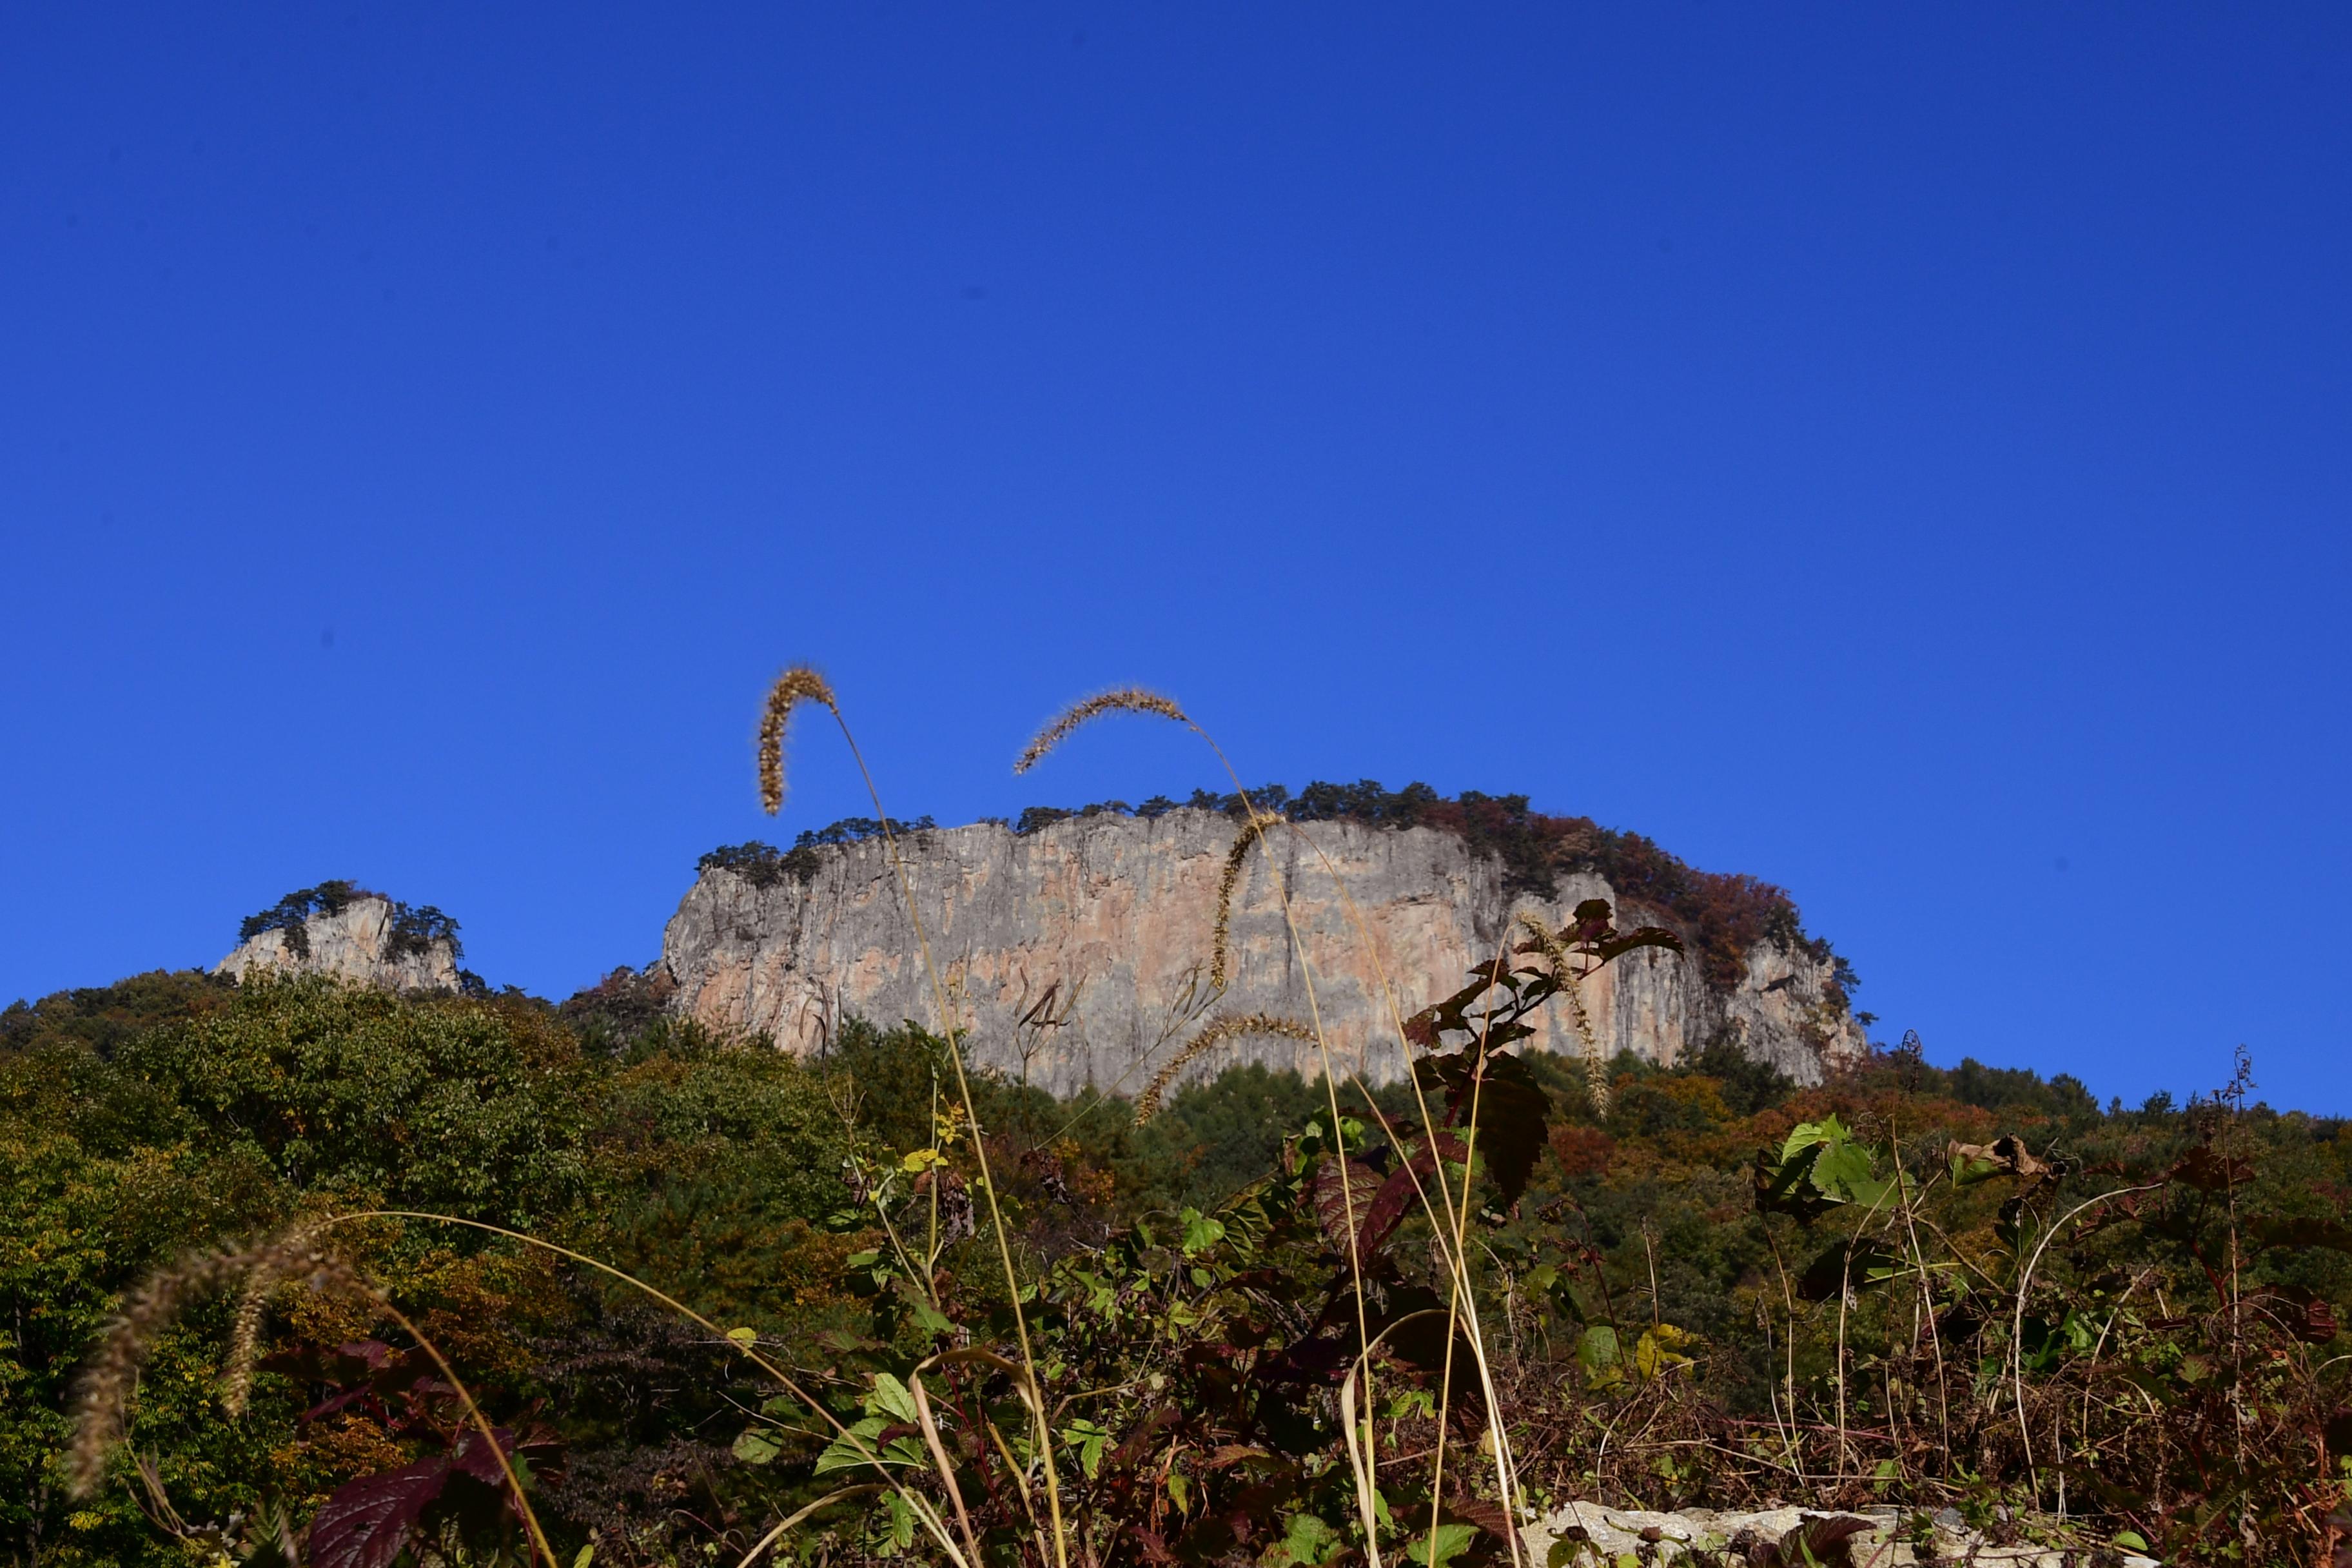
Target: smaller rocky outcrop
(355, 935)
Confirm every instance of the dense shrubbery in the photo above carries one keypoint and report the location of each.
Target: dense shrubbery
(1676, 1317)
(179, 1110)
(764, 865)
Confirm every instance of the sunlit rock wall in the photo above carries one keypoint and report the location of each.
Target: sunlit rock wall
(1080, 954)
(353, 943)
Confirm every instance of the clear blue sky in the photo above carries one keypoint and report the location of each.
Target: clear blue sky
(1902, 452)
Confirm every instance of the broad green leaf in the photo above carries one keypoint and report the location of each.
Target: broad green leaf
(863, 1439)
(1307, 1539)
(1654, 1353)
(902, 1519)
(1784, 1184)
(1088, 1439)
(1851, 1265)
(1410, 1401)
(1844, 1172)
(756, 1446)
(1441, 1546)
(1601, 1357)
(892, 1399)
(1200, 1231)
(1805, 1135)
(1819, 1167)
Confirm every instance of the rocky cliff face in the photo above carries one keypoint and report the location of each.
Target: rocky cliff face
(1080, 954)
(356, 942)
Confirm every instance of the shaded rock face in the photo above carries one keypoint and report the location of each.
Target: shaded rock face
(354, 943)
(1080, 954)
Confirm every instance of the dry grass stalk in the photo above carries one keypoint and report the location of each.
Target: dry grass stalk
(1126, 699)
(797, 685)
(1250, 832)
(1147, 1104)
(1596, 1066)
(802, 683)
(103, 1395)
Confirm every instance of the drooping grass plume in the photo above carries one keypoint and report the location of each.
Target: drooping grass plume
(1252, 831)
(244, 1339)
(102, 1395)
(797, 685)
(1596, 1067)
(1235, 1026)
(1126, 699)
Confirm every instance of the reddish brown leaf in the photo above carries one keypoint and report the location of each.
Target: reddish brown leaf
(1514, 1116)
(2210, 1170)
(2007, 1154)
(2304, 1231)
(1487, 1516)
(1611, 947)
(1377, 1221)
(2301, 1312)
(1337, 1200)
(367, 1522)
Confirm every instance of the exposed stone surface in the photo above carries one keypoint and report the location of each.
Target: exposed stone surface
(353, 943)
(1079, 954)
(1589, 1536)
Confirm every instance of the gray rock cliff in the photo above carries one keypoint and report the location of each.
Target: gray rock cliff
(357, 942)
(1079, 954)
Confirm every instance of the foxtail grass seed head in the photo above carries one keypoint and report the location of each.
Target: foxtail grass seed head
(797, 685)
(1126, 699)
(1596, 1067)
(1219, 944)
(244, 1339)
(102, 1393)
(1236, 1026)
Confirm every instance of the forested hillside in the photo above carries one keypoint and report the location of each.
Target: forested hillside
(1717, 1288)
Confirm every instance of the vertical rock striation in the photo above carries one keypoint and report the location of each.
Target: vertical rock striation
(1079, 954)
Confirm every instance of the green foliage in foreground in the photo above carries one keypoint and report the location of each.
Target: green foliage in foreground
(1683, 1317)
(175, 1111)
